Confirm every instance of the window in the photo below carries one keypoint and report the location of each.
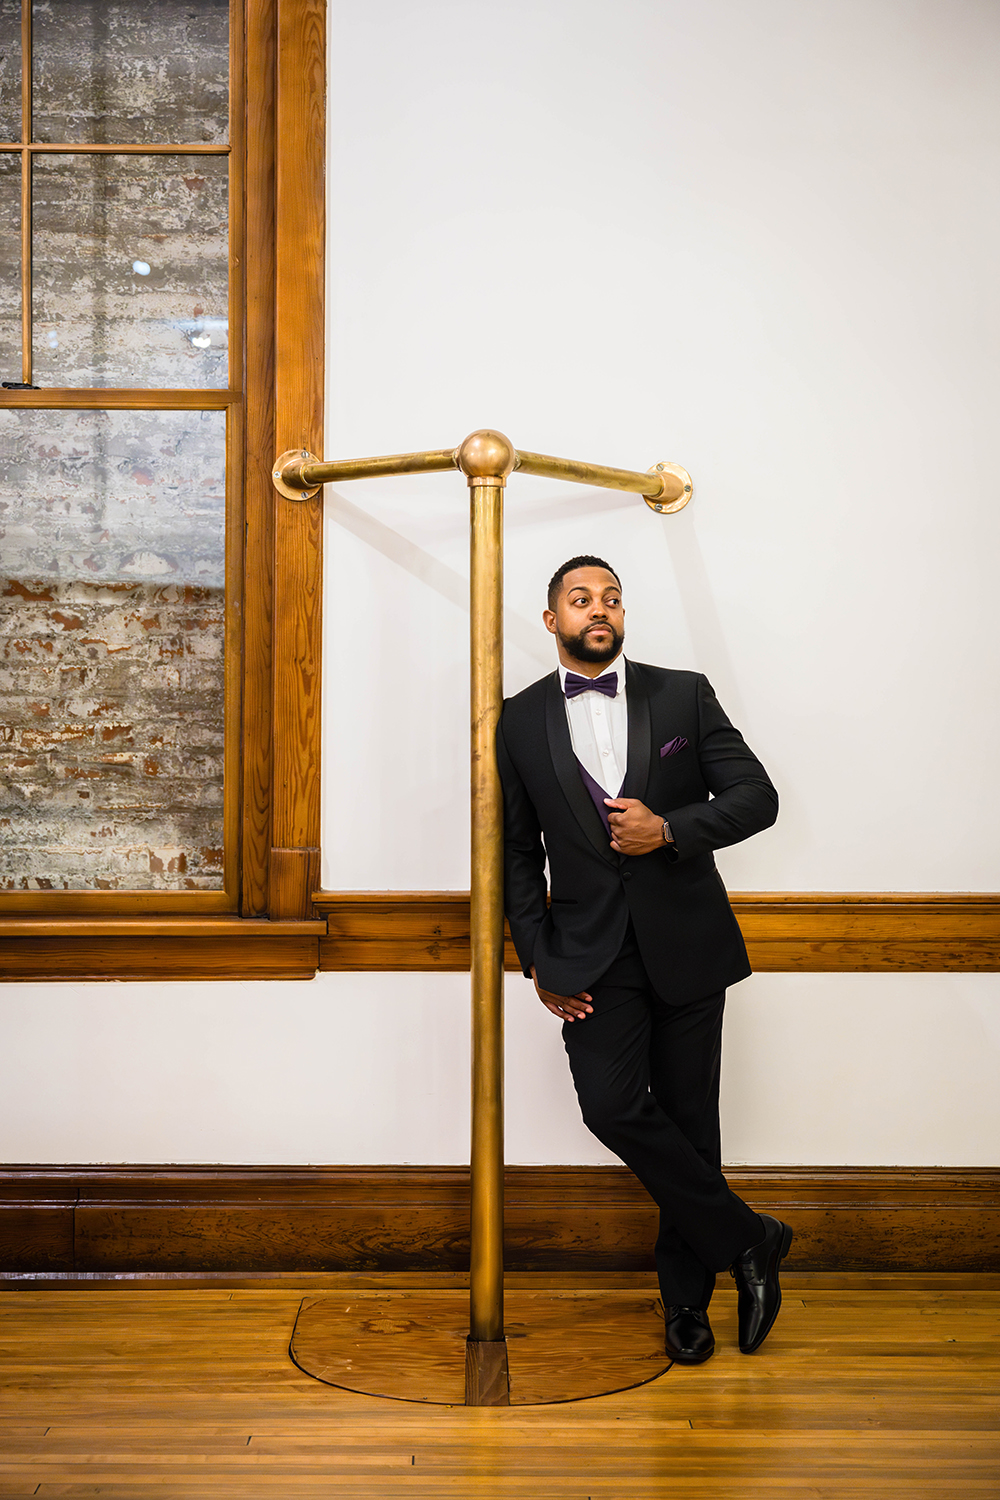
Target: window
(157, 780)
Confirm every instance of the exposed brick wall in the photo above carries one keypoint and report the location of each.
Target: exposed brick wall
(111, 705)
(111, 650)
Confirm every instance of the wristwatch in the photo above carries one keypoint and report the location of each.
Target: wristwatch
(668, 837)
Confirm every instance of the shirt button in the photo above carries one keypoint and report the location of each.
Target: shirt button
(626, 874)
(605, 752)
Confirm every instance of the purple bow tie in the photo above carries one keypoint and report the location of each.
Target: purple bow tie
(575, 684)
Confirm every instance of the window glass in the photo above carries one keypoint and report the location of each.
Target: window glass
(130, 280)
(111, 650)
(10, 267)
(142, 71)
(10, 70)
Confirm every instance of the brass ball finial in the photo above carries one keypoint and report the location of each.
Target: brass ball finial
(486, 455)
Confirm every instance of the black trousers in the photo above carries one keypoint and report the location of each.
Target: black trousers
(647, 1077)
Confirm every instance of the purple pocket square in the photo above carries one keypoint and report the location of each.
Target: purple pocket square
(672, 746)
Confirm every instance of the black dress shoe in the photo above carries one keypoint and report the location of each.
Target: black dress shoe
(756, 1274)
(689, 1335)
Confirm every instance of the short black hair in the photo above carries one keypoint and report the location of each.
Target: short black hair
(555, 582)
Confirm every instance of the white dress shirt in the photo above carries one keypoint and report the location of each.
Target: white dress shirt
(598, 728)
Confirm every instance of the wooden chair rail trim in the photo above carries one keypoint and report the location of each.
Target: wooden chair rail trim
(785, 931)
(409, 931)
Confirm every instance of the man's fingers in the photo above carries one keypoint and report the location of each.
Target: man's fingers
(575, 1008)
(563, 1011)
(566, 1007)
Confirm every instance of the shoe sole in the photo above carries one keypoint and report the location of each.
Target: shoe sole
(786, 1244)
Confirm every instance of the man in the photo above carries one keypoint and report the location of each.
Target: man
(627, 777)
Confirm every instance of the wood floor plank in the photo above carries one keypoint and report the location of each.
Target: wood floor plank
(866, 1388)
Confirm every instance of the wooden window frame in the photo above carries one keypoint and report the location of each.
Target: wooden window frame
(262, 924)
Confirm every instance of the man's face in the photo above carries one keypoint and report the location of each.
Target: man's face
(589, 618)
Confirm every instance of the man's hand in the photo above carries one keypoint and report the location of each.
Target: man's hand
(566, 1007)
(634, 829)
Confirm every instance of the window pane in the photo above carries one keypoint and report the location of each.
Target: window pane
(10, 267)
(111, 650)
(131, 270)
(138, 72)
(10, 70)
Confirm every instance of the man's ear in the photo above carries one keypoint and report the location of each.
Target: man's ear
(549, 618)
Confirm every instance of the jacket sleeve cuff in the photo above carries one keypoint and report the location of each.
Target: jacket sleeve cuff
(687, 840)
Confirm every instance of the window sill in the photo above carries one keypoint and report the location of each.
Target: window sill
(143, 948)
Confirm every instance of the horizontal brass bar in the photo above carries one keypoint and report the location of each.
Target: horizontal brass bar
(666, 488)
(312, 474)
(656, 486)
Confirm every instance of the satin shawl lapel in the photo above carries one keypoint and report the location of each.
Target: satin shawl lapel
(568, 771)
(639, 735)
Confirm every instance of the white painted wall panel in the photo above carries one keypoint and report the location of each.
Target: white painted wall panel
(861, 1069)
(756, 239)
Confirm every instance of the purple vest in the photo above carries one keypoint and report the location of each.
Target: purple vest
(597, 793)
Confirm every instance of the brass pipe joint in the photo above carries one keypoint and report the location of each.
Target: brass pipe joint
(486, 457)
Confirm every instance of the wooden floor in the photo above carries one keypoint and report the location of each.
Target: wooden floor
(869, 1386)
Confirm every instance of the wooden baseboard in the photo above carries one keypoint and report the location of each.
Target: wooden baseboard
(396, 1218)
(803, 932)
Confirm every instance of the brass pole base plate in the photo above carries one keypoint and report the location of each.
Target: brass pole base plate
(293, 456)
(668, 507)
(414, 1346)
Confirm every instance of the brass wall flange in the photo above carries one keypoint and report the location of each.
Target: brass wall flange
(665, 504)
(287, 474)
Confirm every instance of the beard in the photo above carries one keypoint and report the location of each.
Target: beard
(581, 648)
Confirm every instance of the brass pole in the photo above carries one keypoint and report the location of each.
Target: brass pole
(486, 459)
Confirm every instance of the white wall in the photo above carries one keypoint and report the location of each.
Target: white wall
(758, 239)
(374, 1068)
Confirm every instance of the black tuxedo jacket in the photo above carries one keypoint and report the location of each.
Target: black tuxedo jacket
(714, 791)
